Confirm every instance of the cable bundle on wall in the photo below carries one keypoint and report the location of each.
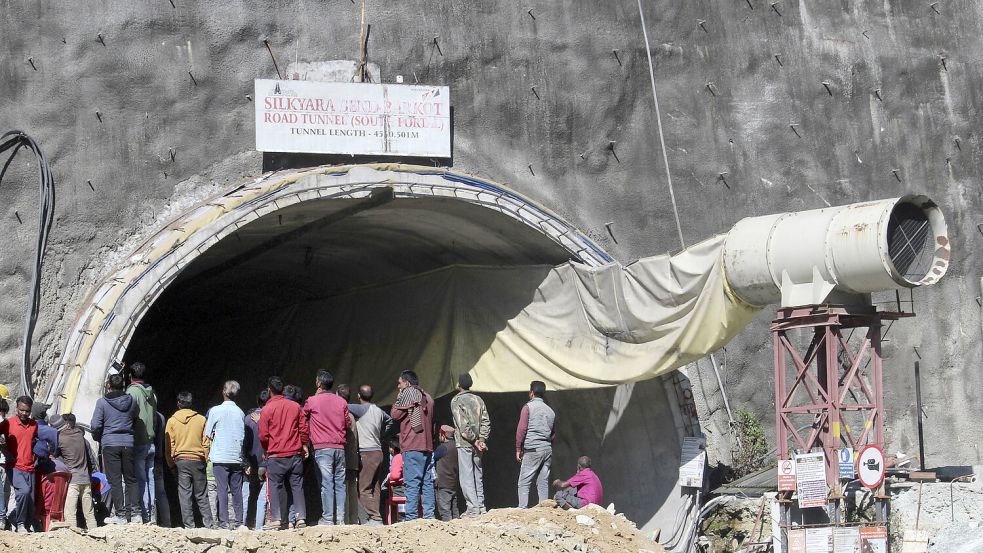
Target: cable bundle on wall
(46, 210)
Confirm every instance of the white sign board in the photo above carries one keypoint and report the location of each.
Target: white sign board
(819, 540)
(874, 539)
(846, 540)
(353, 118)
(786, 475)
(692, 462)
(870, 467)
(810, 480)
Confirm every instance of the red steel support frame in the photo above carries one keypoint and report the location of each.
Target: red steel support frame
(834, 383)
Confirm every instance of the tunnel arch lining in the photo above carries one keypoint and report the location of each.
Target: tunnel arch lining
(114, 308)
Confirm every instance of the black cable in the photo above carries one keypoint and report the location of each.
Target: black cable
(46, 209)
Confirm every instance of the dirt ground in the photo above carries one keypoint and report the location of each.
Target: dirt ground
(542, 528)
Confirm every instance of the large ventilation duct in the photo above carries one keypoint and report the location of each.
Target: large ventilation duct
(838, 254)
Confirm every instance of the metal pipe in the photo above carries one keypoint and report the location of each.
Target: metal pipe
(918, 405)
(837, 254)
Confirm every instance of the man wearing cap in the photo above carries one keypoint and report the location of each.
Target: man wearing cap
(445, 458)
(47, 443)
(473, 426)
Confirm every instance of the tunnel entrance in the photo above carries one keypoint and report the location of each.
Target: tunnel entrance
(362, 287)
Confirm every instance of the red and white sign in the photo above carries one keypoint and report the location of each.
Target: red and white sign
(873, 539)
(786, 475)
(870, 467)
(353, 118)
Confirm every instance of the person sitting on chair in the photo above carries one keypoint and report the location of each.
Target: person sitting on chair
(581, 489)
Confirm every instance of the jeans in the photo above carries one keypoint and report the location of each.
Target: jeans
(162, 506)
(419, 480)
(23, 484)
(281, 472)
(535, 465)
(228, 477)
(192, 488)
(5, 477)
(370, 483)
(118, 463)
(78, 492)
(471, 477)
(143, 465)
(331, 463)
(255, 491)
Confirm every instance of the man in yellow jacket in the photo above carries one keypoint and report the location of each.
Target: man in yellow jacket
(186, 453)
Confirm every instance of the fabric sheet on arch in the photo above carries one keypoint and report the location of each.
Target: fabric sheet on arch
(571, 326)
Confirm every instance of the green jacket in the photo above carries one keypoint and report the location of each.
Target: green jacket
(146, 400)
(471, 421)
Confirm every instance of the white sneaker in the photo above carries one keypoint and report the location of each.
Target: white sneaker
(114, 520)
(21, 529)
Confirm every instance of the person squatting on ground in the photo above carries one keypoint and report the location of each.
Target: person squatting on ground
(78, 458)
(445, 460)
(534, 444)
(112, 426)
(473, 426)
(225, 428)
(18, 434)
(414, 412)
(328, 420)
(254, 489)
(283, 434)
(187, 449)
(144, 452)
(582, 489)
(374, 425)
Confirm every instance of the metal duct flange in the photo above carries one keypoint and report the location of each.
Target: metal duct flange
(825, 255)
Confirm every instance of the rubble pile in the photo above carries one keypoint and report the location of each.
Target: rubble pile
(542, 528)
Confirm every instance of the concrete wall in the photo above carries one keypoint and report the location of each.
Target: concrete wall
(111, 110)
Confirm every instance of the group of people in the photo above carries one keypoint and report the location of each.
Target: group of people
(260, 458)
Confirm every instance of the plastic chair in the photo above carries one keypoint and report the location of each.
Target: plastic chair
(391, 504)
(54, 486)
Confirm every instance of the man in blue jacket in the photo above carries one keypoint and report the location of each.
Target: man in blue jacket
(112, 427)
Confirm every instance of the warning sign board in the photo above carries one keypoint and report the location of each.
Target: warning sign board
(797, 541)
(692, 462)
(846, 463)
(870, 467)
(786, 475)
(873, 539)
(810, 480)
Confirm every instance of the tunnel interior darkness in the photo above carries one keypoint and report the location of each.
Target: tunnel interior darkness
(355, 286)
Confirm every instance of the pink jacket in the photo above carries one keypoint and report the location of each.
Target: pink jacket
(327, 416)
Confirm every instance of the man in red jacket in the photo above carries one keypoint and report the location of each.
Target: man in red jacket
(327, 415)
(19, 434)
(283, 434)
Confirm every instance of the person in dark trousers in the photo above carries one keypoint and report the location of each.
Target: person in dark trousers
(77, 455)
(374, 426)
(162, 506)
(414, 411)
(19, 435)
(327, 418)
(255, 494)
(144, 452)
(112, 427)
(225, 429)
(283, 434)
(534, 444)
(187, 450)
(445, 459)
(352, 460)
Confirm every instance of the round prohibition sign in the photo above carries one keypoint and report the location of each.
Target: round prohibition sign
(870, 467)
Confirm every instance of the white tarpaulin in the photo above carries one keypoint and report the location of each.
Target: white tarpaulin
(571, 326)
